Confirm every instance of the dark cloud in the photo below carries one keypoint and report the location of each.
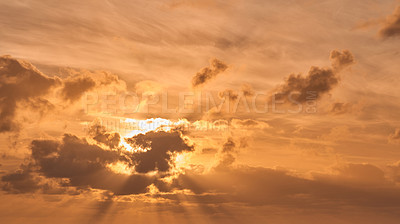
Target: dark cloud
(74, 162)
(341, 60)
(21, 181)
(391, 26)
(209, 150)
(232, 95)
(229, 94)
(227, 154)
(209, 73)
(229, 145)
(318, 81)
(162, 145)
(75, 87)
(81, 81)
(99, 133)
(23, 86)
(20, 82)
(300, 88)
(248, 124)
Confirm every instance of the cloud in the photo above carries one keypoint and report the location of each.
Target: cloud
(394, 171)
(20, 82)
(232, 95)
(266, 186)
(75, 87)
(99, 133)
(209, 73)
(161, 145)
(247, 90)
(74, 162)
(395, 137)
(21, 181)
(23, 86)
(229, 94)
(341, 60)
(360, 174)
(340, 108)
(248, 124)
(228, 153)
(318, 81)
(391, 26)
(81, 81)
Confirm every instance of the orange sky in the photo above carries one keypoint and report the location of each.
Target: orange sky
(208, 111)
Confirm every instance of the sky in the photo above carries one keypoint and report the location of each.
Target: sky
(185, 111)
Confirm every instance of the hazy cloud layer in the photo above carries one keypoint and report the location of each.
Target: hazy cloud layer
(250, 166)
(352, 185)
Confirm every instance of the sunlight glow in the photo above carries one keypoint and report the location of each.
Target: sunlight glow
(152, 124)
(120, 167)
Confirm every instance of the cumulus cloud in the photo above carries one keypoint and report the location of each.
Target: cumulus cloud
(23, 85)
(75, 87)
(99, 133)
(20, 82)
(318, 81)
(81, 81)
(74, 162)
(208, 73)
(391, 26)
(161, 145)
